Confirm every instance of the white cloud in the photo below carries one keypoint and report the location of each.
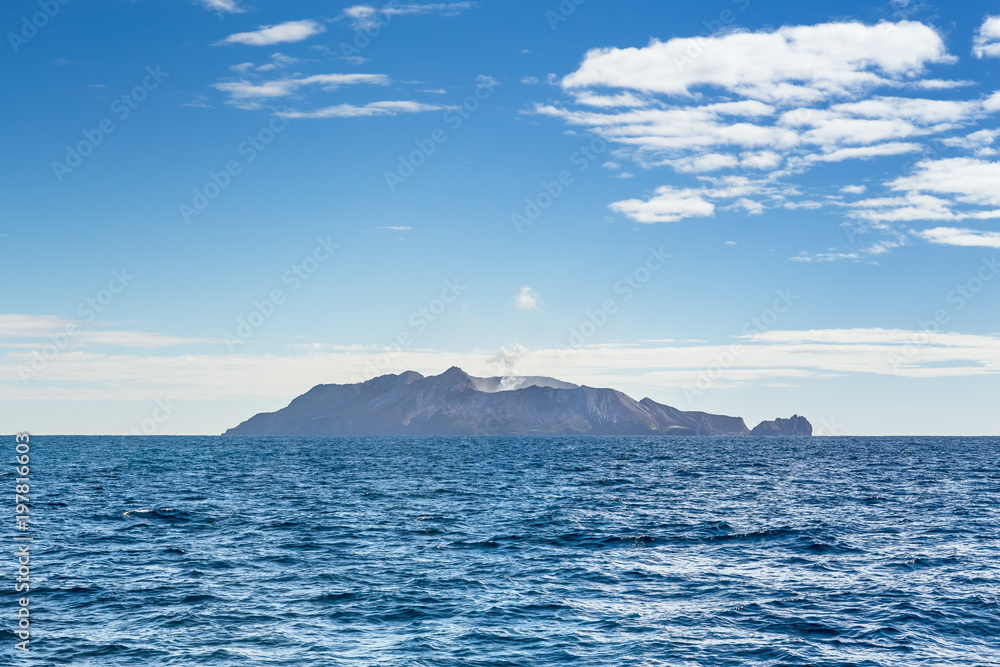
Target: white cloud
(763, 160)
(910, 207)
(22, 326)
(976, 141)
(526, 299)
(244, 91)
(278, 61)
(610, 101)
(779, 102)
(749, 205)
(706, 163)
(992, 103)
(866, 254)
(529, 80)
(386, 108)
(879, 120)
(669, 204)
(290, 31)
(137, 339)
(704, 135)
(390, 228)
(960, 237)
(772, 355)
(987, 40)
(250, 94)
(669, 136)
(487, 80)
(884, 246)
(199, 102)
(969, 180)
(915, 110)
(826, 257)
(791, 63)
(225, 6)
(364, 17)
(854, 189)
(942, 84)
(866, 152)
(31, 331)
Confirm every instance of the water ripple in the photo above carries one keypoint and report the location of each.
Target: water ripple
(514, 551)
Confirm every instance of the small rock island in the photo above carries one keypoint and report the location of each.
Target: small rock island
(457, 404)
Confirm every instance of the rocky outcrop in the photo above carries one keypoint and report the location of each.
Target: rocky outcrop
(795, 426)
(455, 403)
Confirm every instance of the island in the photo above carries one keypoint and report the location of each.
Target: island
(455, 403)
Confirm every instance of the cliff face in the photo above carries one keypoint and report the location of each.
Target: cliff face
(454, 403)
(795, 426)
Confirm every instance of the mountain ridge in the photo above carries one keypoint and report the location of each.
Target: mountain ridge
(455, 403)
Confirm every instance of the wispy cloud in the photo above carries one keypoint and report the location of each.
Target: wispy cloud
(868, 254)
(22, 326)
(278, 61)
(790, 356)
(946, 189)
(252, 91)
(290, 31)
(391, 228)
(223, 6)
(367, 16)
(249, 94)
(244, 89)
(199, 102)
(26, 331)
(385, 108)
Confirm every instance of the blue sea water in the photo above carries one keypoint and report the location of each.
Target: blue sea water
(512, 551)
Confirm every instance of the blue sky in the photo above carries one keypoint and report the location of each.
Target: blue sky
(740, 207)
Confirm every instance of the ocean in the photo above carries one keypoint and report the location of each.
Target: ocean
(495, 551)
